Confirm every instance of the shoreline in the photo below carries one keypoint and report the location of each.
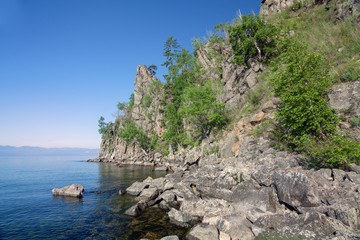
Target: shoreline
(246, 195)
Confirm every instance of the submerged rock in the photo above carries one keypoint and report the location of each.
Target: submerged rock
(74, 190)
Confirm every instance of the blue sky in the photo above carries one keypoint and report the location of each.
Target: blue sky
(65, 63)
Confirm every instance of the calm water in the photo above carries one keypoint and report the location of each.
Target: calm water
(28, 210)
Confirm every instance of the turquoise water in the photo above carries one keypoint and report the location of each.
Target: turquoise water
(29, 211)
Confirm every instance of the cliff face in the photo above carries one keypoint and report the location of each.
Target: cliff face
(145, 113)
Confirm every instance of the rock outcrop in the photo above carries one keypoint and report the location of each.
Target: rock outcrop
(74, 190)
(261, 193)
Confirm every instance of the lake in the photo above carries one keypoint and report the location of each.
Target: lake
(29, 211)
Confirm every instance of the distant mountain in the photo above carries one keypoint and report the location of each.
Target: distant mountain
(39, 151)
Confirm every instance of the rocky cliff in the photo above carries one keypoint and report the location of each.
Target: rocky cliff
(235, 184)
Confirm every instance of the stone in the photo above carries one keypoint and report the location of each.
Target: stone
(161, 168)
(136, 209)
(122, 192)
(257, 118)
(172, 237)
(179, 218)
(148, 194)
(74, 190)
(203, 232)
(136, 188)
(295, 189)
(268, 106)
(226, 148)
(224, 236)
(355, 168)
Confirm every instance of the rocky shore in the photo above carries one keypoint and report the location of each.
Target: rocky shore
(260, 194)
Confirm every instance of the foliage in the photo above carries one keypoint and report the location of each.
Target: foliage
(336, 151)
(103, 127)
(200, 109)
(128, 132)
(302, 83)
(173, 126)
(351, 74)
(147, 101)
(152, 69)
(355, 121)
(121, 108)
(131, 102)
(252, 37)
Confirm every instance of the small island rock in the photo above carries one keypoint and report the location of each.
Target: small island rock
(74, 190)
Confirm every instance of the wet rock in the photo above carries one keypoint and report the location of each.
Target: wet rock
(203, 232)
(74, 190)
(136, 188)
(136, 209)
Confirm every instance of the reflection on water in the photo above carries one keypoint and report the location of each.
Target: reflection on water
(69, 200)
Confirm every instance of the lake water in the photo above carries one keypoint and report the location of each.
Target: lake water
(29, 211)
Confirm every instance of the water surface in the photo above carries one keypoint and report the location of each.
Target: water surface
(29, 211)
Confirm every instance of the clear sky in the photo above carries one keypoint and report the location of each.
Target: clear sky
(65, 63)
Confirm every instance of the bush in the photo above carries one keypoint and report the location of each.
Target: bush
(147, 101)
(302, 83)
(252, 38)
(336, 151)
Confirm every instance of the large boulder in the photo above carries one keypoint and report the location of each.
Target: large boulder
(203, 232)
(136, 188)
(295, 189)
(74, 190)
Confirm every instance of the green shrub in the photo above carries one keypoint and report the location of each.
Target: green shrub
(355, 121)
(147, 101)
(351, 74)
(302, 83)
(128, 132)
(251, 38)
(336, 151)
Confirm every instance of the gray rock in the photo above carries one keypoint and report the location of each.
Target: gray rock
(203, 232)
(136, 188)
(295, 189)
(161, 168)
(136, 209)
(226, 148)
(355, 168)
(74, 190)
(181, 219)
(148, 194)
(172, 237)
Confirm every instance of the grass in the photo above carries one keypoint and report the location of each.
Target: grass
(338, 42)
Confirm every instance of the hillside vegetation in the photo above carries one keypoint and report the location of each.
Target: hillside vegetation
(303, 52)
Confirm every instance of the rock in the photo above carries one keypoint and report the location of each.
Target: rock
(179, 218)
(275, 6)
(161, 168)
(122, 192)
(295, 189)
(136, 209)
(172, 237)
(268, 106)
(344, 97)
(257, 118)
(193, 156)
(224, 236)
(355, 168)
(136, 188)
(148, 194)
(226, 148)
(203, 232)
(344, 125)
(74, 190)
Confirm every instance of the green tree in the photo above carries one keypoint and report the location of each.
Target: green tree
(302, 83)
(103, 126)
(121, 108)
(251, 37)
(201, 110)
(152, 69)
